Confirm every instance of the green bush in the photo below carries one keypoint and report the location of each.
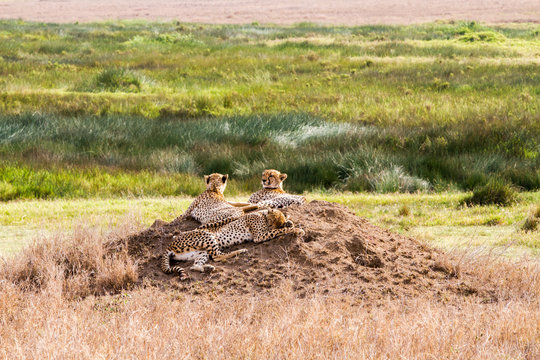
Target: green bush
(7, 191)
(495, 192)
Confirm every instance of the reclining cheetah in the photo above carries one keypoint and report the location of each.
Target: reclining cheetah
(200, 244)
(210, 206)
(272, 193)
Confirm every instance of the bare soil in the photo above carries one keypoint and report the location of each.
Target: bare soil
(346, 12)
(341, 253)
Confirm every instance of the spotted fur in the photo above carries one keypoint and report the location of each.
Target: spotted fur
(210, 206)
(272, 194)
(200, 244)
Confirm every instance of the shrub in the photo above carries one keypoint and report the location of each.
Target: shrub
(494, 192)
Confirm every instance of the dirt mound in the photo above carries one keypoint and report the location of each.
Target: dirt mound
(340, 253)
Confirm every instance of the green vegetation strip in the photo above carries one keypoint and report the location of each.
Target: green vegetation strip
(55, 156)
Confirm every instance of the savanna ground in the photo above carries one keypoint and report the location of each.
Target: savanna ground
(105, 127)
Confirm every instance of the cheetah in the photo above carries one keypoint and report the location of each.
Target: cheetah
(210, 206)
(208, 240)
(272, 193)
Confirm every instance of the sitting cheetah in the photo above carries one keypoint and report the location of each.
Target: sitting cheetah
(210, 206)
(272, 193)
(200, 244)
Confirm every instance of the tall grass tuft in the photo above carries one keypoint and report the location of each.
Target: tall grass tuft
(495, 192)
(85, 262)
(114, 80)
(532, 222)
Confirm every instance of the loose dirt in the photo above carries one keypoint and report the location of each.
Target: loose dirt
(340, 253)
(346, 12)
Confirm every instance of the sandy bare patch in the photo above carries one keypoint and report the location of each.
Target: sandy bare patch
(346, 12)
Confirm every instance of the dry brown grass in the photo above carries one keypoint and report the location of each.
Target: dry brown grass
(44, 314)
(86, 262)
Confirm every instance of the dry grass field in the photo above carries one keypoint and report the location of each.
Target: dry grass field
(46, 311)
(54, 304)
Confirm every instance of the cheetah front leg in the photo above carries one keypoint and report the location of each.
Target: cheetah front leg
(218, 255)
(261, 237)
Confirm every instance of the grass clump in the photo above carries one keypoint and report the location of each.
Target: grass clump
(404, 210)
(116, 80)
(495, 192)
(532, 222)
(482, 36)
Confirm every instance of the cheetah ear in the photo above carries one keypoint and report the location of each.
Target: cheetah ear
(207, 178)
(225, 177)
(282, 177)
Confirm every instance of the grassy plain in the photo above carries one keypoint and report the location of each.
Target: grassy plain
(371, 108)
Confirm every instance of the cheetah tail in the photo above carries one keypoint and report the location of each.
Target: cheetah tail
(166, 266)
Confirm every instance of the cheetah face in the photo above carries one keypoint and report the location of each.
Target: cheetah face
(216, 182)
(273, 179)
(275, 219)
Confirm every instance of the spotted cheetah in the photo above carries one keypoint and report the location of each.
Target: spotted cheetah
(200, 244)
(272, 193)
(210, 206)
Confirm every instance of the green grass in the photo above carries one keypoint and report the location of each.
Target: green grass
(438, 219)
(56, 156)
(134, 107)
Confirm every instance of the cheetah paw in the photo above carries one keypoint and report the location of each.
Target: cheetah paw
(198, 268)
(208, 268)
(299, 232)
(288, 224)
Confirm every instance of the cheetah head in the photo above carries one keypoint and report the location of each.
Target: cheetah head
(275, 219)
(216, 182)
(273, 179)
